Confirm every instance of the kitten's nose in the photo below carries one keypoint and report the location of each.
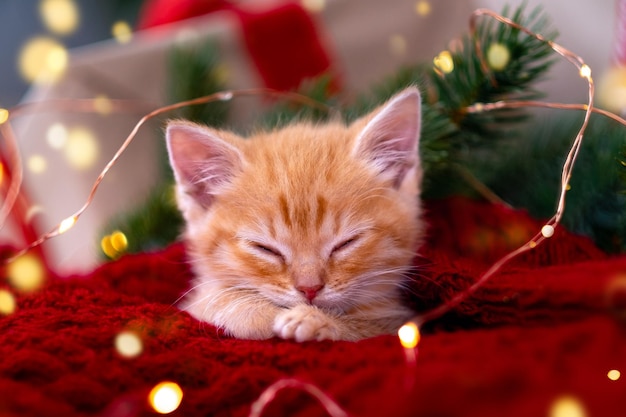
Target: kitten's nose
(310, 292)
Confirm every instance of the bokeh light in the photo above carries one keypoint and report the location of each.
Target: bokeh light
(444, 63)
(81, 148)
(165, 397)
(56, 135)
(567, 406)
(122, 32)
(59, 16)
(409, 335)
(423, 8)
(4, 115)
(128, 344)
(7, 303)
(42, 60)
(397, 44)
(32, 212)
(614, 374)
(612, 90)
(102, 104)
(26, 273)
(114, 245)
(37, 164)
(498, 56)
(314, 6)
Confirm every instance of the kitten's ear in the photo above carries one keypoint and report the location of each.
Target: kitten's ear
(389, 141)
(202, 161)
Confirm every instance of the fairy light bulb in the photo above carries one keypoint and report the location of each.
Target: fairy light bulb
(614, 374)
(547, 231)
(66, 224)
(409, 335)
(128, 344)
(585, 71)
(165, 397)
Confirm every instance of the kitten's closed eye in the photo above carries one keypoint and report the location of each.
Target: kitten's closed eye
(343, 245)
(268, 250)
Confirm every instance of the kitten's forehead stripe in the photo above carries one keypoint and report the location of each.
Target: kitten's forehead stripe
(302, 214)
(284, 210)
(321, 211)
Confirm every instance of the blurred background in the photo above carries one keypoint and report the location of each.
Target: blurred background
(118, 49)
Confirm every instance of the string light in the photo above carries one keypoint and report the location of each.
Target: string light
(168, 395)
(267, 396)
(128, 344)
(165, 397)
(7, 303)
(547, 230)
(614, 374)
(87, 105)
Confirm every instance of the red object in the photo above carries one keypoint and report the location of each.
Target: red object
(282, 41)
(548, 327)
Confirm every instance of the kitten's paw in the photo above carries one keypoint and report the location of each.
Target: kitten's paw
(303, 323)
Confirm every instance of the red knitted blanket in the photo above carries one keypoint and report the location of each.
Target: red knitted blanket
(542, 334)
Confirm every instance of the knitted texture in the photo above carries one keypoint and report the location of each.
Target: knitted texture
(549, 326)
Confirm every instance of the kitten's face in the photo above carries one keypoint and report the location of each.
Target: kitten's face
(327, 215)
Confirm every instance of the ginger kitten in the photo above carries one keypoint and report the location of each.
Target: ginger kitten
(305, 232)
